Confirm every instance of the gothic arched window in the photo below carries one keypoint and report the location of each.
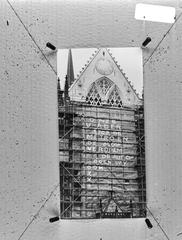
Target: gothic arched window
(104, 84)
(104, 91)
(93, 96)
(114, 98)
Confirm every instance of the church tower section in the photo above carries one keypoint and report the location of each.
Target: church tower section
(101, 143)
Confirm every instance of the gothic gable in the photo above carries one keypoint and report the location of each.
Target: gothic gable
(102, 82)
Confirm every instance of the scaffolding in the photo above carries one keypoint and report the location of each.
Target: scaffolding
(102, 161)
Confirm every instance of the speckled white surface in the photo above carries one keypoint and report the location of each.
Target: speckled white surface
(28, 117)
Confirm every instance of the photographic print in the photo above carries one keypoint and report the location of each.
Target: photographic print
(101, 133)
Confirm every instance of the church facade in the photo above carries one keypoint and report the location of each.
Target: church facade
(101, 142)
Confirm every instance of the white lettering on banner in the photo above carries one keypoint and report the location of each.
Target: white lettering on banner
(129, 157)
(100, 161)
(107, 162)
(103, 141)
(103, 132)
(105, 126)
(117, 157)
(103, 123)
(105, 137)
(106, 144)
(105, 156)
(91, 132)
(92, 120)
(94, 149)
(100, 149)
(104, 150)
(95, 161)
(88, 124)
(88, 143)
(125, 139)
(117, 150)
(124, 163)
(91, 149)
(111, 138)
(91, 137)
(89, 179)
(81, 114)
(115, 127)
(116, 145)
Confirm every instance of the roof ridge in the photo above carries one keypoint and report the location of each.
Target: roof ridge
(87, 64)
(123, 73)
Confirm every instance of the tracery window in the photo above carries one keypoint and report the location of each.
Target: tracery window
(93, 96)
(114, 98)
(104, 90)
(104, 84)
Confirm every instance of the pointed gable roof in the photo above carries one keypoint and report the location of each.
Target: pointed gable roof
(70, 70)
(102, 64)
(66, 89)
(58, 85)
